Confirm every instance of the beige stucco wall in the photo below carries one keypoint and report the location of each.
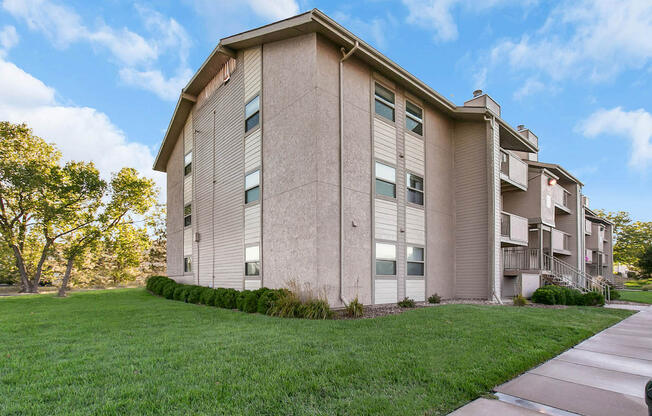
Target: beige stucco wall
(175, 212)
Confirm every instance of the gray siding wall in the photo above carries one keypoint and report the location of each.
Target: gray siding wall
(219, 185)
(175, 212)
(471, 209)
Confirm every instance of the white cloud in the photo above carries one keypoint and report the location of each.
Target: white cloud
(594, 39)
(531, 86)
(635, 126)
(276, 10)
(8, 39)
(154, 81)
(81, 133)
(437, 15)
(372, 30)
(133, 52)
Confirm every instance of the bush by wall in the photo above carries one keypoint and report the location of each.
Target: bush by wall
(559, 295)
(275, 302)
(407, 303)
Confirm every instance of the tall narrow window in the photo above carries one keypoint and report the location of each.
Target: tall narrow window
(252, 261)
(415, 261)
(252, 113)
(414, 189)
(384, 102)
(187, 264)
(187, 218)
(187, 164)
(252, 187)
(413, 118)
(385, 259)
(385, 180)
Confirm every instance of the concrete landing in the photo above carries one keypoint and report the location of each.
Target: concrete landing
(602, 376)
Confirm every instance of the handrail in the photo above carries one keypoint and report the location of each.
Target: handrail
(579, 279)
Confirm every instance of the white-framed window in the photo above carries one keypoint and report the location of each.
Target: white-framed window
(187, 217)
(385, 180)
(252, 261)
(385, 259)
(187, 264)
(415, 261)
(413, 118)
(252, 113)
(414, 189)
(384, 102)
(187, 164)
(252, 187)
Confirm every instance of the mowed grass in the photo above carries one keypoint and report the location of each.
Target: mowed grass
(636, 296)
(128, 352)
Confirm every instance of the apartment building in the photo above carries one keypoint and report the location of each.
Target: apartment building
(299, 152)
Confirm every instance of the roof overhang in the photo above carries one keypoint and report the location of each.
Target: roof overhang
(558, 170)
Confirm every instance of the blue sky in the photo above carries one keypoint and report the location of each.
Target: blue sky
(101, 81)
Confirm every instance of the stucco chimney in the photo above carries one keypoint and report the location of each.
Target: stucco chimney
(481, 99)
(477, 93)
(520, 127)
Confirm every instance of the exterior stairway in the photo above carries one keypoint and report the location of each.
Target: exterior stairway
(552, 270)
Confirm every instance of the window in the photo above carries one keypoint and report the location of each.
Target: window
(385, 180)
(252, 261)
(187, 218)
(385, 259)
(187, 265)
(384, 102)
(413, 118)
(252, 187)
(187, 164)
(252, 113)
(414, 189)
(415, 261)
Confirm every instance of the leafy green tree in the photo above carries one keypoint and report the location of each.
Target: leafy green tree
(631, 238)
(645, 261)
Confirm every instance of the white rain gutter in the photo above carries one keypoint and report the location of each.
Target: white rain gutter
(345, 56)
(492, 205)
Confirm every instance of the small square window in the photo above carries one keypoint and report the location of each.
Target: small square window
(385, 259)
(415, 261)
(384, 102)
(187, 264)
(252, 261)
(252, 113)
(187, 164)
(385, 180)
(413, 118)
(252, 187)
(414, 189)
(187, 217)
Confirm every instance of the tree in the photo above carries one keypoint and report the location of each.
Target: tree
(645, 261)
(630, 238)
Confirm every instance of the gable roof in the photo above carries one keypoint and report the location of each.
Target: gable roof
(558, 170)
(309, 22)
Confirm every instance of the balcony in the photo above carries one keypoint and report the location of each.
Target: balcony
(513, 230)
(560, 198)
(513, 172)
(587, 227)
(561, 242)
(588, 257)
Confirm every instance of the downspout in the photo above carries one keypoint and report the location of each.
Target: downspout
(492, 205)
(345, 56)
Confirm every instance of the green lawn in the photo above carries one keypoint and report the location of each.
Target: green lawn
(636, 296)
(637, 283)
(128, 352)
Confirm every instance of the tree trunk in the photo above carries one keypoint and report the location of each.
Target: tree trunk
(25, 283)
(66, 278)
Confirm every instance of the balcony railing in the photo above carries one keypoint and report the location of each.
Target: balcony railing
(587, 227)
(520, 258)
(588, 257)
(513, 169)
(561, 196)
(513, 228)
(560, 241)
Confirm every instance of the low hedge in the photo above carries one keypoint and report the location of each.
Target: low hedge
(560, 295)
(264, 301)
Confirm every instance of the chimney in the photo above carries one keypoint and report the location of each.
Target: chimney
(520, 127)
(477, 93)
(480, 99)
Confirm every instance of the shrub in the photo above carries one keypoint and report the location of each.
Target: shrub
(434, 298)
(152, 280)
(615, 295)
(194, 293)
(250, 302)
(520, 300)
(407, 303)
(646, 288)
(181, 293)
(544, 295)
(229, 299)
(592, 299)
(168, 288)
(288, 305)
(355, 309)
(316, 309)
(266, 300)
(206, 296)
(240, 299)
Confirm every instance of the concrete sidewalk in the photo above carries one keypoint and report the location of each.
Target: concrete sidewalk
(602, 376)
